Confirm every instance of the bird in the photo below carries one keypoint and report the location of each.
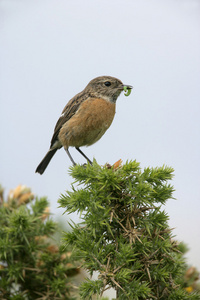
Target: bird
(85, 118)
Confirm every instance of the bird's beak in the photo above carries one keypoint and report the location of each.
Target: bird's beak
(125, 85)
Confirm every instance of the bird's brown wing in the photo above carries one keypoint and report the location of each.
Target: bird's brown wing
(69, 110)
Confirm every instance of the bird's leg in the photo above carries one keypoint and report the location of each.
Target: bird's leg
(66, 149)
(81, 152)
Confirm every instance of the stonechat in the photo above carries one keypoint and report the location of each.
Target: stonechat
(85, 118)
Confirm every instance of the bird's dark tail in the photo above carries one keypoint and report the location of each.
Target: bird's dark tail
(44, 163)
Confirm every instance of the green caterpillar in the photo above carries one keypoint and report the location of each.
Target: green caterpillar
(127, 91)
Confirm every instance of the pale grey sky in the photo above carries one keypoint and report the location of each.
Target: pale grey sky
(51, 49)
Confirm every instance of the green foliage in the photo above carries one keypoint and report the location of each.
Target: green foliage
(124, 233)
(32, 265)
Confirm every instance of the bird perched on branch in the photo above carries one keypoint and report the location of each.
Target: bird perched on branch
(85, 118)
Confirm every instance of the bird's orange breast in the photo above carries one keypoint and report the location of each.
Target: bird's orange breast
(88, 124)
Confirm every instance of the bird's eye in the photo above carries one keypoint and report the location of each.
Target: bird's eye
(107, 83)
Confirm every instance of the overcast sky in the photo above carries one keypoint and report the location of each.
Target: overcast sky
(51, 49)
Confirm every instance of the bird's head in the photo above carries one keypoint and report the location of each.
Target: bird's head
(106, 87)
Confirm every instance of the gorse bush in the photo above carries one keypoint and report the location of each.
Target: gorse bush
(124, 232)
(32, 264)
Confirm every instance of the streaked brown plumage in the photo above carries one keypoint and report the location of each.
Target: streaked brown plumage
(85, 118)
